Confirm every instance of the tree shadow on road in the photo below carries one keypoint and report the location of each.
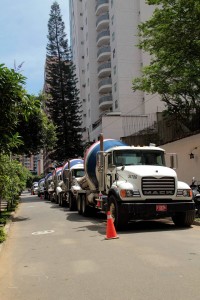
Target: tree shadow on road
(99, 224)
(98, 221)
(143, 226)
(19, 219)
(30, 198)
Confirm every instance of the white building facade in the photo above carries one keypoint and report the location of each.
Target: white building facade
(104, 39)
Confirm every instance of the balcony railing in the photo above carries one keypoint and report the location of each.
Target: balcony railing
(104, 66)
(106, 81)
(104, 17)
(105, 98)
(104, 33)
(105, 49)
(101, 2)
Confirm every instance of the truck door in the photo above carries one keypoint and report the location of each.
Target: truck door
(109, 174)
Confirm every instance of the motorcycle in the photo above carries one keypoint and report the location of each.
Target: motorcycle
(195, 186)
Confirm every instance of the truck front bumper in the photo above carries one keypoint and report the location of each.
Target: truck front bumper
(155, 210)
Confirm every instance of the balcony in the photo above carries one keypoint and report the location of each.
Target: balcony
(103, 38)
(105, 102)
(104, 70)
(104, 53)
(102, 22)
(105, 85)
(102, 6)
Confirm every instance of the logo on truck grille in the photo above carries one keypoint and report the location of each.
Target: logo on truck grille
(152, 186)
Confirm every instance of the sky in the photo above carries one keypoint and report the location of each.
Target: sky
(23, 37)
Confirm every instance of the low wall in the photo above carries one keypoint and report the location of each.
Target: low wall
(187, 168)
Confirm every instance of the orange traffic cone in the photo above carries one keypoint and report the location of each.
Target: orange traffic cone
(110, 228)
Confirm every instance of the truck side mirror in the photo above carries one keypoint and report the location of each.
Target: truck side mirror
(173, 161)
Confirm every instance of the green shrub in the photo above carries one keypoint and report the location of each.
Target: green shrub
(2, 235)
(3, 220)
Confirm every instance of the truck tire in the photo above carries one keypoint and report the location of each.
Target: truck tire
(120, 218)
(184, 219)
(84, 207)
(59, 199)
(72, 202)
(56, 198)
(79, 204)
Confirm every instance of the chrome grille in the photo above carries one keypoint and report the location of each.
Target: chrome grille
(152, 186)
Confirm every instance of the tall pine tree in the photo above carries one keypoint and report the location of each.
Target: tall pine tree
(63, 105)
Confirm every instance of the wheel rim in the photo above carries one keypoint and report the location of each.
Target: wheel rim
(112, 211)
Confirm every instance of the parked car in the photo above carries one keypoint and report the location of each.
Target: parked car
(34, 188)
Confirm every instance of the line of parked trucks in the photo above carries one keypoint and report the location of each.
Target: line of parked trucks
(131, 182)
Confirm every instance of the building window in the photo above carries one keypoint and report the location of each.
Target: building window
(114, 53)
(88, 81)
(86, 36)
(113, 36)
(116, 104)
(87, 66)
(112, 20)
(88, 97)
(89, 113)
(86, 21)
(114, 70)
(115, 86)
(111, 3)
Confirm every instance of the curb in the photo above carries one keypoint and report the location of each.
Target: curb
(6, 228)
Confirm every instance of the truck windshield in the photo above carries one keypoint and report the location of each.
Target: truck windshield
(138, 157)
(79, 173)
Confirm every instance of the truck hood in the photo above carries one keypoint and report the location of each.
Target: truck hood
(141, 171)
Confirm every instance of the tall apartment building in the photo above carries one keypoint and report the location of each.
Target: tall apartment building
(104, 38)
(34, 163)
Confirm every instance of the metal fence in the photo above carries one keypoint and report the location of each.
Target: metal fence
(162, 130)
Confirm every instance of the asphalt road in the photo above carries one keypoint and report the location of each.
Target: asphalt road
(52, 253)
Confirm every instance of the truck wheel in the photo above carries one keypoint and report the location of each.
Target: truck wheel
(84, 207)
(51, 198)
(184, 219)
(72, 202)
(120, 218)
(59, 199)
(79, 204)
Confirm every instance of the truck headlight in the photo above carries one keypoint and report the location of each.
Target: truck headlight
(184, 193)
(129, 193)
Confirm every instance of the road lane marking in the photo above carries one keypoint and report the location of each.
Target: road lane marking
(43, 232)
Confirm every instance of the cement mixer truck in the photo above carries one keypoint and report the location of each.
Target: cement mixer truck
(72, 173)
(133, 183)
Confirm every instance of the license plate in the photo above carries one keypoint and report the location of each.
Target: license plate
(161, 207)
